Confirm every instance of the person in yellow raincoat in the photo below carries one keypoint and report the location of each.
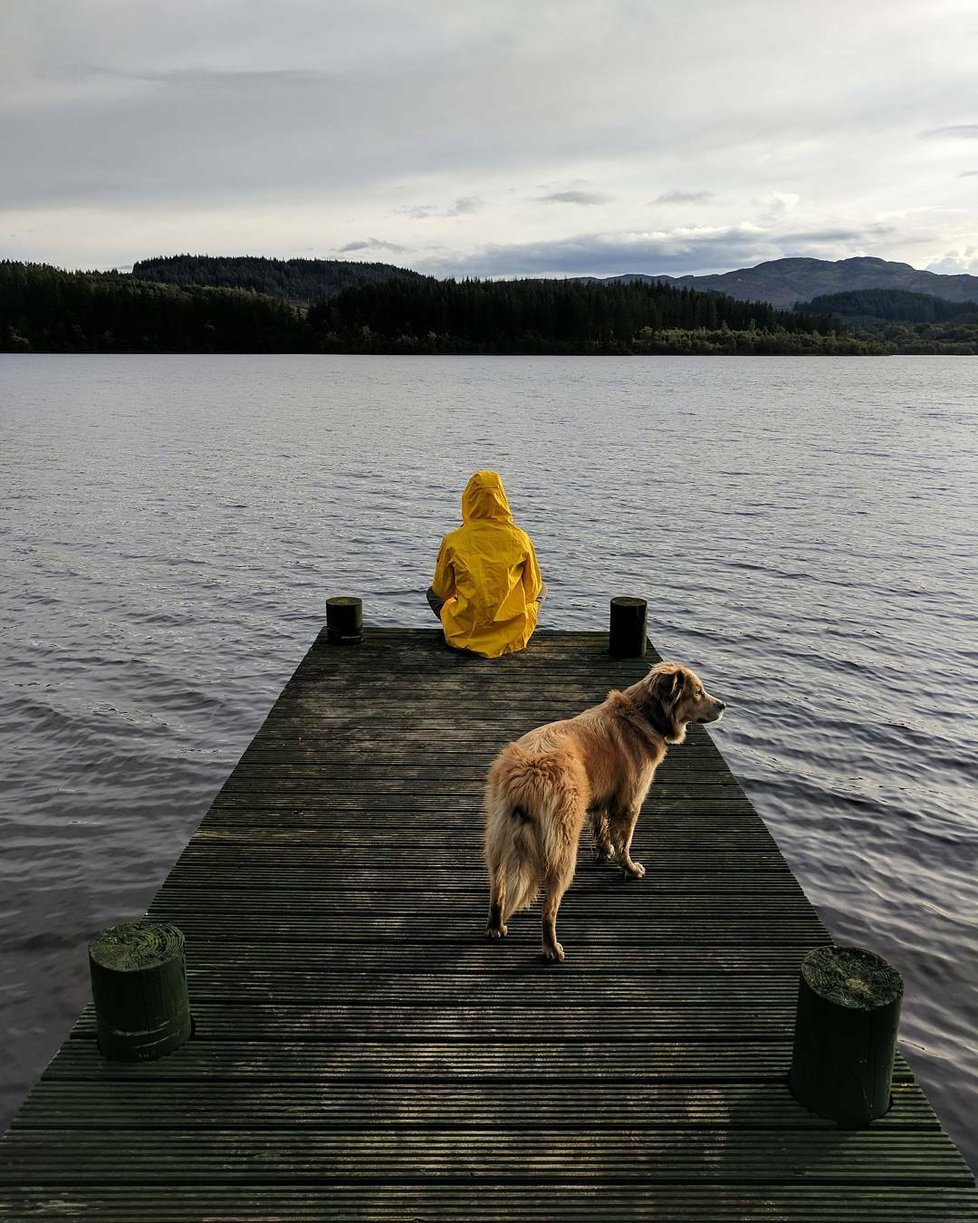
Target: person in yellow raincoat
(487, 589)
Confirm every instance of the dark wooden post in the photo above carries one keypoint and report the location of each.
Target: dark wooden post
(627, 637)
(845, 1035)
(344, 620)
(139, 983)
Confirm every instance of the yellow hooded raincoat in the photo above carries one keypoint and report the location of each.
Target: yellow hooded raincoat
(487, 574)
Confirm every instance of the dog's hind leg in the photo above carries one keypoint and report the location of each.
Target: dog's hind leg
(495, 926)
(552, 950)
(554, 887)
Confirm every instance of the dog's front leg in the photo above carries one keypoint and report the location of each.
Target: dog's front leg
(601, 847)
(622, 830)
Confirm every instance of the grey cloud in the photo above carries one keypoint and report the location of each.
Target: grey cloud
(968, 174)
(966, 131)
(819, 237)
(188, 134)
(465, 205)
(204, 78)
(684, 197)
(196, 136)
(417, 212)
(673, 254)
(575, 197)
(371, 244)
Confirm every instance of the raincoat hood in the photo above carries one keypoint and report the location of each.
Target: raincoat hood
(485, 497)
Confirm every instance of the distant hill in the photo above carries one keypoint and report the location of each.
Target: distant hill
(782, 282)
(890, 305)
(302, 281)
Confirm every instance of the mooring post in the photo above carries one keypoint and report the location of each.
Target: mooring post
(845, 1035)
(344, 620)
(139, 984)
(627, 636)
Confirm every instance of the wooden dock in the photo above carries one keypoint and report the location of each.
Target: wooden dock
(363, 1052)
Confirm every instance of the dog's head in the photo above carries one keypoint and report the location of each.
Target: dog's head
(674, 697)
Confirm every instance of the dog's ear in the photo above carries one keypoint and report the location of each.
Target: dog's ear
(678, 685)
(667, 685)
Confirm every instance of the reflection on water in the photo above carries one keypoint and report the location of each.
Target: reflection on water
(803, 530)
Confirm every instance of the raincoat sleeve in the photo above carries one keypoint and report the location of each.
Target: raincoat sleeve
(444, 580)
(532, 581)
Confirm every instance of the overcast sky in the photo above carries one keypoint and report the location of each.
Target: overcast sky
(491, 137)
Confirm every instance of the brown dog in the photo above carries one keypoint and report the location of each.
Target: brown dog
(599, 765)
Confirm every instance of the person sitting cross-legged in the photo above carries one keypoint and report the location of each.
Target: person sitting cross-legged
(487, 588)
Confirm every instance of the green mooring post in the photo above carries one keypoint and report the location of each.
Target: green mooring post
(845, 1035)
(139, 983)
(627, 636)
(344, 620)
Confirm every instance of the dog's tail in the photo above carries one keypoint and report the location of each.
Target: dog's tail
(534, 811)
(523, 864)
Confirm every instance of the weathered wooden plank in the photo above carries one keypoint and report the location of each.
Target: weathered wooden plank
(226, 1056)
(582, 1062)
(628, 998)
(466, 1106)
(682, 783)
(758, 1019)
(628, 1005)
(692, 1202)
(447, 916)
(274, 922)
(472, 966)
(604, 1156)
(467, 812)
(248, 872)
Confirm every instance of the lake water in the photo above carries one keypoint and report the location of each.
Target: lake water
(804, 530)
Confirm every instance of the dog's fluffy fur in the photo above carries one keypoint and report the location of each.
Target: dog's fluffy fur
(598, 766)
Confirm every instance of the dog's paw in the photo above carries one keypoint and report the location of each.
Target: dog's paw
(496, 932)
(634, 870)
(603, 853)
(554, 954)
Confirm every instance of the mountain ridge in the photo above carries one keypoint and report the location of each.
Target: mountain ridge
(783, 282)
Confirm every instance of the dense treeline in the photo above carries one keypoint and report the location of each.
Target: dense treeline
(302, 281)
(891, 305)
(901, 322)
(44, 309)
(47, 310)
(918, 339)
(560, 316)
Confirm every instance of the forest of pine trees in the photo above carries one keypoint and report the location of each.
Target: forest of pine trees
(301, 281)
(903, 322)
(891, 305)
(43, 309)
(560, 316)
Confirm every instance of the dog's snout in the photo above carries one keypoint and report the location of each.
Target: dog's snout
(721, 705)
